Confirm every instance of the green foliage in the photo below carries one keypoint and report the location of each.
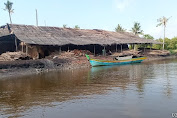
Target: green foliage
(170, 44)
(136, 29)
(119, 28)
(173, 52)
(8, 7)
(158, 46)
(76, 27)
(148, 36)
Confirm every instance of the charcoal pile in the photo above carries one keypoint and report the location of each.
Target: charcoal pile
(159, 53)
(127, 52)
(81, 52)
(69, 54)
(12, 56)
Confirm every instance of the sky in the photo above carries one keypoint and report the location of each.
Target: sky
(95, 14)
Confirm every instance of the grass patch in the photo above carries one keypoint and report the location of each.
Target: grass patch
(173, 52)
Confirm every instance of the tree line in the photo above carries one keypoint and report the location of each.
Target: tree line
(167, 43)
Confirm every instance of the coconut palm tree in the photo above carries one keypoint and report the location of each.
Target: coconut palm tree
(8, 7)
(76, 27)
(163, 22)
(136, 29)
(64, 26)
(119, 28)
(148, 36)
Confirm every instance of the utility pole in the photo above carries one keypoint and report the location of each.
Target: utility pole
(45, 23)
(36, 18)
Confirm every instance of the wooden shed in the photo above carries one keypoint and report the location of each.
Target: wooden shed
(40, 41)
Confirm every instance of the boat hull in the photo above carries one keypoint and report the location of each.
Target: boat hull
(96, 62)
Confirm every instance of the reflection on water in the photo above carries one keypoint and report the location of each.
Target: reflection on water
(130, 91)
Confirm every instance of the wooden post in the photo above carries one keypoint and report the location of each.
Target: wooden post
(94, 50)
(121, 48)
(145, 48)
(116, 47)
(59, 50)
(26, 50)
(22, 47)
(134, 47)
(68, 48)
(104, 51)
(16, 43)
(151, 47)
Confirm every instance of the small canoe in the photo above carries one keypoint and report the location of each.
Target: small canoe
(124, 58)
(97, 62)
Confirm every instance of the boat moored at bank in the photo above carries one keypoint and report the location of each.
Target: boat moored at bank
(98, 62)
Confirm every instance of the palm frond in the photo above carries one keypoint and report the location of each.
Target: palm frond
(159, 24)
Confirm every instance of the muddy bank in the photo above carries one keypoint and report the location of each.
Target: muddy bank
(158, 58)
(28, 67)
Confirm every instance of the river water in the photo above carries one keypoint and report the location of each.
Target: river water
(146, 90)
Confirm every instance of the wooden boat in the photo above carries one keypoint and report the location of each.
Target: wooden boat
(97, 62)
(123, 57)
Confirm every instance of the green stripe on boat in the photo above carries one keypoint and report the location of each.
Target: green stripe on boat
(87, 56)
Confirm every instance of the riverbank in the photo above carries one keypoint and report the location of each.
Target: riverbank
(27, 67)
(63, 61)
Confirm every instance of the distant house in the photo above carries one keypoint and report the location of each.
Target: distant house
(40, 41)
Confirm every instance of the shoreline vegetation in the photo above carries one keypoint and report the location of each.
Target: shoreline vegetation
(65, 61)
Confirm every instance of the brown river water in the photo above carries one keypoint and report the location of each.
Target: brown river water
(147, 90)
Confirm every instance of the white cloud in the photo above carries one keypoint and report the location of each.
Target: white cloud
(122, 4)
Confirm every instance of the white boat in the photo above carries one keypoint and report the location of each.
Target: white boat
(124, 57)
